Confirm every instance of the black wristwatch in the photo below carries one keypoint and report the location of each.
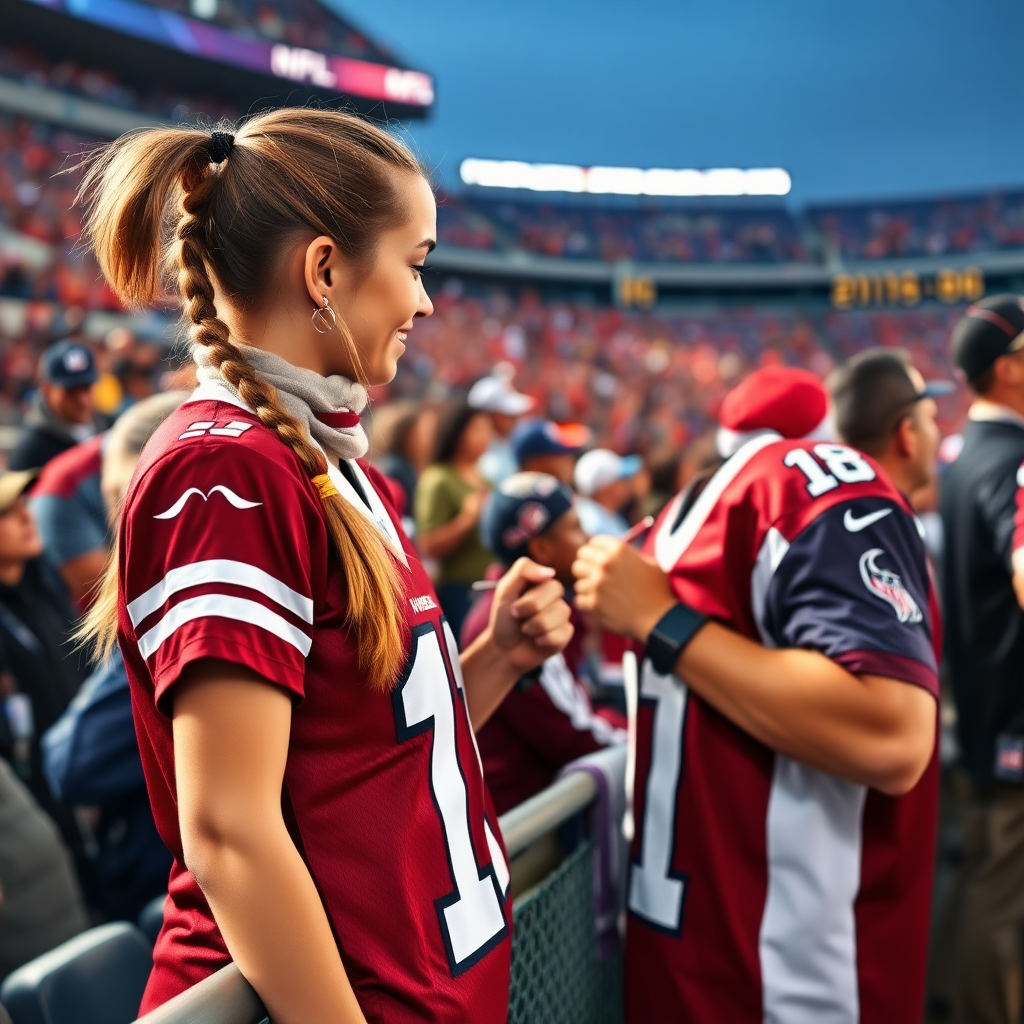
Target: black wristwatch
(672, 632)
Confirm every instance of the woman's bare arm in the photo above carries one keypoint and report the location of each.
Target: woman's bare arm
(529, 623)
(231, 731)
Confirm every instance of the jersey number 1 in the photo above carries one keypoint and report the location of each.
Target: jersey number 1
(472, 916)
(656, 894)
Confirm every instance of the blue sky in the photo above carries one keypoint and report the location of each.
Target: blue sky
(866, 98)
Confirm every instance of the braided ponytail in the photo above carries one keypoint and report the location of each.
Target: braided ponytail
(141, 235)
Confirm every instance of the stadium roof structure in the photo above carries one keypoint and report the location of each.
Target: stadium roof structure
(154, 43)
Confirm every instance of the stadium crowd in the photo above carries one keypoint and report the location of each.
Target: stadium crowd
(465, 446)
(962, 224)
(658, 234)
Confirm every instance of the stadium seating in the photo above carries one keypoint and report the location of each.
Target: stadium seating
(95, 978)
(298, 22)
(871, 231)
(681, 234)
(151, 919)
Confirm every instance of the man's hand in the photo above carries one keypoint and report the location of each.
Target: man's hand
(625, 591)
(529, 617)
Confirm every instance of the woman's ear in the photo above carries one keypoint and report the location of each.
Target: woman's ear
(321, 268)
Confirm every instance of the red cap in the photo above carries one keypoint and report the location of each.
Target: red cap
(785, 399)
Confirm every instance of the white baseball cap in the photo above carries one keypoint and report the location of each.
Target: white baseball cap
(600, 467)
(496, 394)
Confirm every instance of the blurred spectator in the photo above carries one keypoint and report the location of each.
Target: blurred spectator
(543, 446)
(61, 414)
(495, 395)
(40, 905)
(547, 720)
(138, 371)
(403, 442)
(91, 756)
(607, 485)
(39, 671)
(449, 499)
(985, 650)
(67, 503)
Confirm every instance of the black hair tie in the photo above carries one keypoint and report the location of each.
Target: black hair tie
(220, 145)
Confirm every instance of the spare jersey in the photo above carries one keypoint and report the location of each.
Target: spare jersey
(762, 890)
(225, 554)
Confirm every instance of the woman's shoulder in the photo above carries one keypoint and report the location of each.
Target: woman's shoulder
(208, 447)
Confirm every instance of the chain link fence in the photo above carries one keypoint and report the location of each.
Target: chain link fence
(557, 977)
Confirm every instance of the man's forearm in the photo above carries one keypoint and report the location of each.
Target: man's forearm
(871, 730)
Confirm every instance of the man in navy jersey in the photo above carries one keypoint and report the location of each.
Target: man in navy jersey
(785, 791)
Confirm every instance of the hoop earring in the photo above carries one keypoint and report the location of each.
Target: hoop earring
(320, 322)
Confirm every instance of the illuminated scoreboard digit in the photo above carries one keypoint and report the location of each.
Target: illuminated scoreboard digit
(641, 292)
(908, 288)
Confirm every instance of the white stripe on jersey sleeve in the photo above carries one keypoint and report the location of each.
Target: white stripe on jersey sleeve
(220, 570)
(224, 607)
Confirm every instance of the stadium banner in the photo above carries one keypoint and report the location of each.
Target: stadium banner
(295, 63)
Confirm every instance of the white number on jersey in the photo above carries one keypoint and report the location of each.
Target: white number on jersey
(472, 916)
(655, 894)
(845, 465)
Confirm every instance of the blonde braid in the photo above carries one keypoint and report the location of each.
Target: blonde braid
(374, 589)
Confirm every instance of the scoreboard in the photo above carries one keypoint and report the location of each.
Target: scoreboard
(906, 288)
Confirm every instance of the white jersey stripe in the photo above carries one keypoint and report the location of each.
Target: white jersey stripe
(669, 545)
(222, 606)
(220, 570)
(808, 936)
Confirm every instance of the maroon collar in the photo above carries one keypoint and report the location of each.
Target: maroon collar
(338, 420)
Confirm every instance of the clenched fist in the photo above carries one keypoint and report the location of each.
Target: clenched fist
(625, 591)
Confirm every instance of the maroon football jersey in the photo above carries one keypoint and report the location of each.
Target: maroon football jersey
(761, 889)
(225, 554)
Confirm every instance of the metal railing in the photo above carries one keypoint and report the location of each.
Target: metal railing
(227, 998)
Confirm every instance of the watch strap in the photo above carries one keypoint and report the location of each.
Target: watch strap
(672, 632)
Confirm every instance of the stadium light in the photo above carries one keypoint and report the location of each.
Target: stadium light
(625, 181)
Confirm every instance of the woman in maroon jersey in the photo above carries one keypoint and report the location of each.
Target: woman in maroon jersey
(299, 697)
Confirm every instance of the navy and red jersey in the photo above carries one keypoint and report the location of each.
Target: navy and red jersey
(225, 554)
(761, 889)
(543, 724)
(68, 505)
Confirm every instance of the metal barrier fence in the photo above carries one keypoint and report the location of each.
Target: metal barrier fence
(557, 977)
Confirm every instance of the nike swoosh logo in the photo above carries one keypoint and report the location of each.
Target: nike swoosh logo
(855, 525)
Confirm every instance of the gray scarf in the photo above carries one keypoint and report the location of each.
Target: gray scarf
(328, 407)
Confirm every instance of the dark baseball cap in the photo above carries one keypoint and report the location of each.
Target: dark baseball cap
(545, 437)
(989, 329)
(69, 364)
(521, 508)
(872, 391)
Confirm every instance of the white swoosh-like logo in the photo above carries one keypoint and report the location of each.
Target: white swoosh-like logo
(855, 525)
(233, 498)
